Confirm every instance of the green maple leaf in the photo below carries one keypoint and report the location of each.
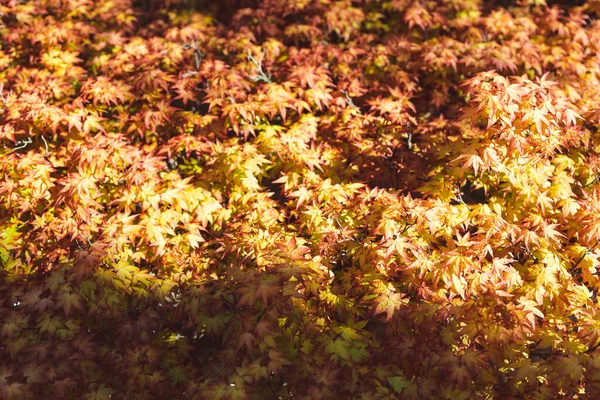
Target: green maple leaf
(102, 393)
(339, 348)
(49, 324)
(398, 383)
(358, 354)
(177, 374)
(69, 301)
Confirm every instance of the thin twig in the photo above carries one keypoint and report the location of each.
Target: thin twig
(596, 179)
(262, 76)
(459, 196)
(4, 99)
(46, 145)
(198, 56)
(189, 73)
(586, 252)
(338, 222)
(349, 100)
(22, 144)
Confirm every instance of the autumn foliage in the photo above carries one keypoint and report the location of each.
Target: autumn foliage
(316, 199)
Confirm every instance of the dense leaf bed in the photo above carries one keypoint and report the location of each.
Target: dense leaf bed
(299, 199)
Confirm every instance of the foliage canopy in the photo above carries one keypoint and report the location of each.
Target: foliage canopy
(328, 199)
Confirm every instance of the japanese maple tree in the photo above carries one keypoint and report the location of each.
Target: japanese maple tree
(272, 199)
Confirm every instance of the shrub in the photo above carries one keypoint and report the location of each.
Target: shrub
(299, 199)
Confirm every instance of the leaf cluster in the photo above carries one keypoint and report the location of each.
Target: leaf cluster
(299, 199)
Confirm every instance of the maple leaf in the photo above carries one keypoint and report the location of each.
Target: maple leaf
(55, 280)
(185, 89)
(570, 117)
(459, 283)
(32, 296)
(104, 91)
(34, 374)
(571, 366)
(302, 194)
(276, 361)
(103, 392)
(388, 303)
(550, 233)
(531, 311)
(246, 339)
(400, 245)
(43, 304)
(13, 390)
(69, 300)
(256, 371)
(62, 386)
(74, 119)
(339, 348)
(417, 15)
(525, 370)
(398, 383)
(49, 323)
(194, 239)
(93, 122)
(7, 131)
(460, 374)
(59, 60)
(308, 76)
(268, 286)
(159, 115)
(12, 325)
(320, 96)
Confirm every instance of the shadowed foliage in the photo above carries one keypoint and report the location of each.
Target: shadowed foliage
(274, 199)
